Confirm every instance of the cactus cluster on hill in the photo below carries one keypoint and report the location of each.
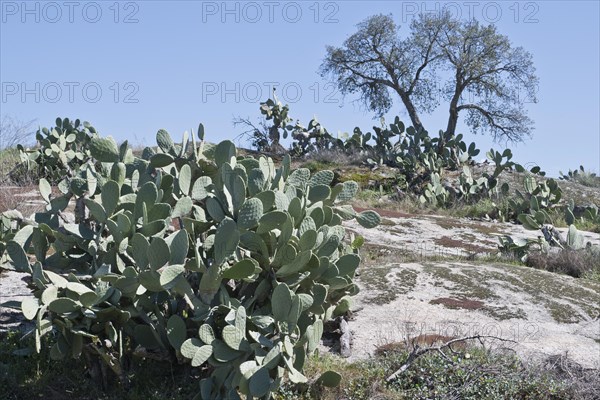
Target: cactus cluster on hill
(188, 253)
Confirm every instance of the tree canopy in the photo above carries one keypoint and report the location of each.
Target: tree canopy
(469, 66)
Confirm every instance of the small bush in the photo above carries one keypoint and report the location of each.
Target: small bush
(337, 157)
(12, 171)
(576, 263)
(589, 180)
(25, 375)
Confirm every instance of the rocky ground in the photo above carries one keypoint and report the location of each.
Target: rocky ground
(13, 289)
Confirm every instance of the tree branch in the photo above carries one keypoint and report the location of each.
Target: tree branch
(426, 61)
(489, 115)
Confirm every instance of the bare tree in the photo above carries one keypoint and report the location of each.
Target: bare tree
(267, 137)
(489, 79)
(14, 131)
(263, 137)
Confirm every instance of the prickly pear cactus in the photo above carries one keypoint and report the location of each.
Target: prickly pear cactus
(195, 254)
(62, 150)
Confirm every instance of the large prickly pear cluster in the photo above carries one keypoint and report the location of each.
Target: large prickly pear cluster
(191, 253)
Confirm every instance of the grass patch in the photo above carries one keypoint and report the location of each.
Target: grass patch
(482, 208)
(368, 196)
(337, 157)
(374, 270)
(461, 283)
(8, 159)
(387, 282)
(23, 198)
(315, 166)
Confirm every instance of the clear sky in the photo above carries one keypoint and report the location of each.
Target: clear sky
(132, 67)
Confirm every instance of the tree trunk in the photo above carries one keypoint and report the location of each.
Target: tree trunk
(452, 121)
(274, 136)
(412, 111)
(450, 128)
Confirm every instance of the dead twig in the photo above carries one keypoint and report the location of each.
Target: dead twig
(419, 351)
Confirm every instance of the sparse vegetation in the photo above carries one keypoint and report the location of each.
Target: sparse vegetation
(471, 373)
(582, 177)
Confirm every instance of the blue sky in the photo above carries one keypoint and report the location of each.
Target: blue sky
(131, 68)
